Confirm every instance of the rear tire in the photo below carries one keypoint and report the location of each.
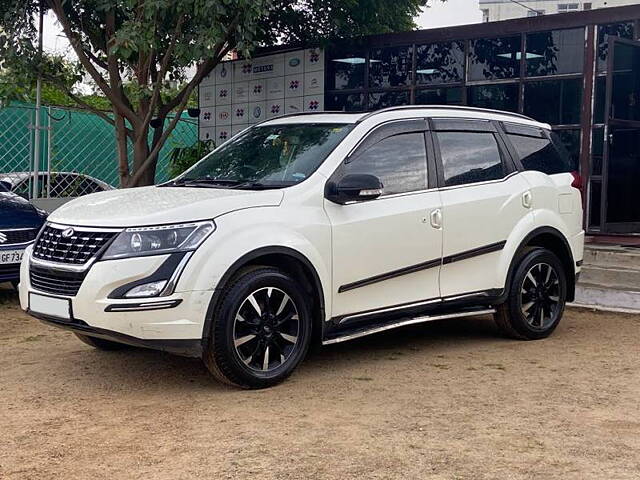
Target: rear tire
(537, 296)
(260, 331)
(100, 343)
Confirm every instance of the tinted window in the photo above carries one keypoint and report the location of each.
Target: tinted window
(390, 67)
(538, 153)
(346, 102)
(469, 157)
(623, 30)
(387, 99)
(557, 102)
(345, 69)
(439, 63)
(439, 96)
(494, 58)
(499, 97)
(399, 161)
(555, 52)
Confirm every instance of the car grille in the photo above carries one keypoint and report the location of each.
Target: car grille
(11, 271)
(77, 248)
(14, 237)
(57, 282)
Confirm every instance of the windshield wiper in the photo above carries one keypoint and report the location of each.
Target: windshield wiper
(261, 186)
(202, 182)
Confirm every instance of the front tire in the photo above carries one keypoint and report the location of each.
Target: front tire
(537, 296)
(261, 330)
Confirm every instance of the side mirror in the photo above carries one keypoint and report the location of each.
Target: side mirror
(354, 188)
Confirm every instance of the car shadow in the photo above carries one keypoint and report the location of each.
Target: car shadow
(148, 369)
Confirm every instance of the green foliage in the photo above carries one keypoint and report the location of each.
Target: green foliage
(183, 158)
(136, 51)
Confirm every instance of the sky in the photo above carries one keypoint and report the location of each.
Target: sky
(449, 13)
(439, 14)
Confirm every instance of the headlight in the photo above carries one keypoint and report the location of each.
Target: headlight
(138, 242)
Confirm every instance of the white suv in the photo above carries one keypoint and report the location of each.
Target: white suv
(325, 226)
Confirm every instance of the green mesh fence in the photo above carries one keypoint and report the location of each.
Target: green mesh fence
(74, 141)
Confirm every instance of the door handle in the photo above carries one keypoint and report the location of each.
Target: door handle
(526, 199)
(436, 218)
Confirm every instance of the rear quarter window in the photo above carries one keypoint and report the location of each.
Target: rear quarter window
(538, 151)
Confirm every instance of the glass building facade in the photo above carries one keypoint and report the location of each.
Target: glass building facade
(578, 72)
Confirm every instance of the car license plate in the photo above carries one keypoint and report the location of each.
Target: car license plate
(56, 307)
(10, 256)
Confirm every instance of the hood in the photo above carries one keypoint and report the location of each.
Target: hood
(16, 212)
(159, 205)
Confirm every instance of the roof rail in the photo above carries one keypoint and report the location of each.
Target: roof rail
(444, 107)
(366, 115)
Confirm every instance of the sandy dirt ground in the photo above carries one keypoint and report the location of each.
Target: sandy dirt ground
(447, 400)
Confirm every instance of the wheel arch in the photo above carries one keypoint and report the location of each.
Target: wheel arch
(553, 240)
(285, 258)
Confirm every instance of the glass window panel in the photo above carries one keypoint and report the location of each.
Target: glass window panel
(623, 30)
(388, 99)
(390, 67)
(623, 172)
(557, 102)
(556, 52)
(439, 63)
(345, 102)
(571, 141)
(345, 69)
(597, 150)
(538, 153)
(499, 97)
(595, 199)
(625, 98)
(599, 99)
(400, 162)
(439, 96)
(494, 58)
(469, 157)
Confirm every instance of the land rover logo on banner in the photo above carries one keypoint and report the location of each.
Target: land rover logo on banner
(294, 62)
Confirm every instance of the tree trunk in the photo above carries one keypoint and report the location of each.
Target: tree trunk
(122, 149)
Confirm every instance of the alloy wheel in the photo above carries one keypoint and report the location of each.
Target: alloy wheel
(266, 329)
(540, 296)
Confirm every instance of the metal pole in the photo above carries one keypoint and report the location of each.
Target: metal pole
(49, 151)
(36, 147)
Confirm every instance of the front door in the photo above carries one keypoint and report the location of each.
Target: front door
(387, 252)
(621, 168)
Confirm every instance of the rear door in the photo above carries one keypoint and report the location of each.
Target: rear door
(484, 199)
(387, 252)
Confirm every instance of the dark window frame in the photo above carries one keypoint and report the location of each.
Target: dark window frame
(475, 126)
(389, 129)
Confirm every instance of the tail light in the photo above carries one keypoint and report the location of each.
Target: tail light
(577, 182)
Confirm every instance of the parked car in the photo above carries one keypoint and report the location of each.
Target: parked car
(326, 226)
(63, 184)
(20, 222)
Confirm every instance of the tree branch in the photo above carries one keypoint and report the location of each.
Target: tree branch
(56, 6)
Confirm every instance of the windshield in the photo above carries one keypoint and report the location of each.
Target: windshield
(268, 156)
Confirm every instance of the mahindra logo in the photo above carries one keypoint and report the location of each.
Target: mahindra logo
(68, 233)
(3, 237)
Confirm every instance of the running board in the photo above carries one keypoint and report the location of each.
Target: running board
(403, 323)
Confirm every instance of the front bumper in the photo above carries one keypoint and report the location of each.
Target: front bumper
(187, 348)
(172, 323)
